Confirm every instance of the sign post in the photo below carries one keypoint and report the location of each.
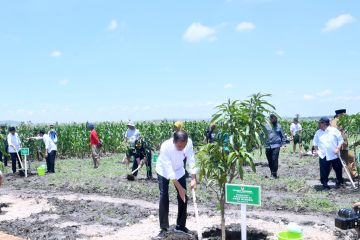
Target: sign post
(25, 152)
(243, 195)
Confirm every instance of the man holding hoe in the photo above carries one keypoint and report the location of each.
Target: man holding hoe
(170, 168)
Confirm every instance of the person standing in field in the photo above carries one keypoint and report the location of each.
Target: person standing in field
(345, 153)
(50, 150)
(4, 150)
(14, 148)
(131, 135)
(276, 139)
(170, 168)
(210, 134)
(295, 130)
(52, 134)
(95, 145)
(328, 142)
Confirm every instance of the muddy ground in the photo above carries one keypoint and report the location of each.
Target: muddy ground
(110, 207)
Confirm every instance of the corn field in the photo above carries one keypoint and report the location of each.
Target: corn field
(73, 139)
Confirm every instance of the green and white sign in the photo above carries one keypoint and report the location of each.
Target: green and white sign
(243, 194)
(25, 151)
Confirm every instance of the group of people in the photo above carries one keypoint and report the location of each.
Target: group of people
(13, 144)
(330, 144)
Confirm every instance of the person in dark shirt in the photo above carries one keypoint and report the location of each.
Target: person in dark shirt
(210, 134)
(276, 139)
(143, 154)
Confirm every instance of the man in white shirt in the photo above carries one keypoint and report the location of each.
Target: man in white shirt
(14, 148)
(50, 150)
(131, 135)
(295, 129)
(170, 167)
(327, 142)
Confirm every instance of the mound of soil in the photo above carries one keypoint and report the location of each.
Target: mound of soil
(68, 218)
(233, 232)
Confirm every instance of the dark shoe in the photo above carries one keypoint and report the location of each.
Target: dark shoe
(179, 229)
(274, 175)
(162, 234)
(326, 188)
(339, 185)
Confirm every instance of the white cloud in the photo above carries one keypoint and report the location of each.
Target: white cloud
(338, 22)
(280, 52)
(112, 25)
(245, 26)
(64, 82)
(197, 32)
(56, 54)
(348, 98)
(324, 93)
(309, 97)
(228, 86)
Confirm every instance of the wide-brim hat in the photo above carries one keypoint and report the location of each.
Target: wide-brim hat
(130, 124)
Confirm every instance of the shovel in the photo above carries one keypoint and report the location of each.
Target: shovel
(21, 171)
(347, 171)
(196, 215)
(131, 177)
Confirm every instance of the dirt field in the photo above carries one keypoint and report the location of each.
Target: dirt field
(79, 202)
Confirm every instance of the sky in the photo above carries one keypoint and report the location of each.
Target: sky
(102, 60)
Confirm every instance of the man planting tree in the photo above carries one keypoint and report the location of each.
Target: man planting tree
(131, 135)
(170, 167)
(50, 150)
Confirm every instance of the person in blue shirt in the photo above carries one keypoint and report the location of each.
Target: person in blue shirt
(276, 139)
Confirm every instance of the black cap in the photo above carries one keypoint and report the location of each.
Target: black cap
(340, 111)
(11, 129)
(324, 120)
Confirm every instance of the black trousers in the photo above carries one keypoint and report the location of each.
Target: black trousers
(147, 164)
(14, 159)
(325, 168)
(272, 155)
(50, 162)
(164, 203)
(4, 160)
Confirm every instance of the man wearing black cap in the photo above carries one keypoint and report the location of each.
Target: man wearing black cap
(327, 142)
(346, 155)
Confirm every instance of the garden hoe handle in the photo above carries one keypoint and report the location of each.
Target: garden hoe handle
(347, 171)
(140, 165)
(17, 153)
(196, 214)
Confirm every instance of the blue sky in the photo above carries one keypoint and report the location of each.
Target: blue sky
(117, 60)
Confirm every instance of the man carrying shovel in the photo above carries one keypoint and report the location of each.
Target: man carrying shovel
(142, 156)
(14, 144)
(170, 167)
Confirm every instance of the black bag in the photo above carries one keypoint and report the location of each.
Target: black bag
(100, 144)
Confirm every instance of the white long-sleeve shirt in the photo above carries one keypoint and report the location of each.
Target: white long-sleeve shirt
(327, 141)
(49, 143)
(170, 163)
(14, 141)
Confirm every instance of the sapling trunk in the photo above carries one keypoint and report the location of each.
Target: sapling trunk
(222, 208)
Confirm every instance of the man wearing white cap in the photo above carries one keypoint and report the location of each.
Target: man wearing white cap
(132, 134)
